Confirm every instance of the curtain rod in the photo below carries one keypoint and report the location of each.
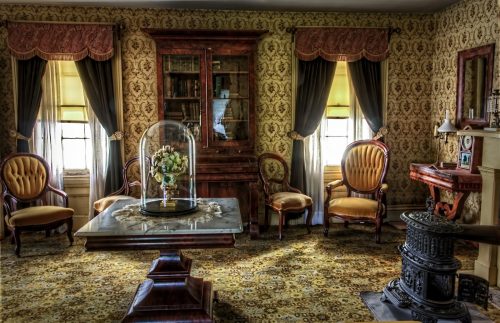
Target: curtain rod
(293, 29)
(392, 30)
(118, 25)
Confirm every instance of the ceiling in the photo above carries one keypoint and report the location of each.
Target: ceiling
(283, 5)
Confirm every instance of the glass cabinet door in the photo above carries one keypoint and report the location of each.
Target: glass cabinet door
(182, 89)
(230, 98)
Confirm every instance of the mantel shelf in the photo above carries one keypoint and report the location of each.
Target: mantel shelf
(479, 133)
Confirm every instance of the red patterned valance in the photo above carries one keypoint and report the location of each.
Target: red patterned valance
(342, 43)
(60, 41)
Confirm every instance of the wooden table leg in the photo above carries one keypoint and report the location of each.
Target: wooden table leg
(436, 197)
(452, 212)
(455, 211)
(171, 294)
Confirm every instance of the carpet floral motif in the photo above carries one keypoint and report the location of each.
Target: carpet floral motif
(304, 278)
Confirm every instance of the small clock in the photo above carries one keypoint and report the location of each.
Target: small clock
(467, 142)
(470, 152)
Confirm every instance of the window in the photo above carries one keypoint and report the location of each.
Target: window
(75, 138)
(63, 116)
(343, 121)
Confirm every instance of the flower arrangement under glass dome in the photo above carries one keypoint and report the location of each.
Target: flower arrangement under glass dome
(166, 165)
(167, 151)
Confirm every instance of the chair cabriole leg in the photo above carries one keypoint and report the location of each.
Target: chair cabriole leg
(17, 238)
(326, 224)
(378, 230)
(281, 219)
(309, 218)
(69, 231)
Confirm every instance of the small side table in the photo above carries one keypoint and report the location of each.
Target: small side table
(458, 181)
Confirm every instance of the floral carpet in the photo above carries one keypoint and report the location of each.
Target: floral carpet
(303, 278)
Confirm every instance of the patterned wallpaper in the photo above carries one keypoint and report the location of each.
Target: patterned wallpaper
(417, 88)
(465, 25)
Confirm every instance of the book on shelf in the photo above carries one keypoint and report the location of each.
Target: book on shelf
(167, 89)
(182, 87)
(196, 88)
(174, 115)
(218, 86)
(195, 110)
(185, 115)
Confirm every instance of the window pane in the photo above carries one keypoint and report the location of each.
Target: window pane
(337, 112)
(73, 130)
(88, 152)
(71, 85)
(337, 127)
(333, 149)
(74, 153)
(339, 91)
(366, 131)
(74, 114)
(72, 91)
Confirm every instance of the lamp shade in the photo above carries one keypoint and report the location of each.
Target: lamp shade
(447, 126)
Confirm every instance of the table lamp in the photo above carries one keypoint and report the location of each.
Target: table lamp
(447, 127)
(442, 132)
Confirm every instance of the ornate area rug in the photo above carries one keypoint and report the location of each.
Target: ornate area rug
(303, 278)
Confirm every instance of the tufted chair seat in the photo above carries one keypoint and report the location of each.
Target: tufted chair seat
(289, 201)
(353, 207)
(25, 188)
(279, 195)
(102, 204)
(39, 215)
(364, 167)
(125, 192)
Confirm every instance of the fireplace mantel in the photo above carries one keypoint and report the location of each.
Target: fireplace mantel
(487, 264)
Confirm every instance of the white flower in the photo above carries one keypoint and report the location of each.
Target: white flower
(167, 162)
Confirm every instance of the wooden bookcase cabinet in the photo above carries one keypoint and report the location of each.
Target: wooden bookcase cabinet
(206, 80)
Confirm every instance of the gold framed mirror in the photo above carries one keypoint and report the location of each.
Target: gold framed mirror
(474, 83)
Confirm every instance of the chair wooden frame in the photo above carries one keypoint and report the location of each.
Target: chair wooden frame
(11, 203)
(125, 189)
(127, 185)
(378, 191)
(266, 181)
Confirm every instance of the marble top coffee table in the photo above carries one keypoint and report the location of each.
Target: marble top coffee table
(170, 293)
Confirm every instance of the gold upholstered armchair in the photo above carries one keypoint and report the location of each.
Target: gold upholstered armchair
(25, 186)
(278, 194)
(130, 188)
(364, 167)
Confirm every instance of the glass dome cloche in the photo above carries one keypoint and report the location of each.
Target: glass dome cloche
(168, 156)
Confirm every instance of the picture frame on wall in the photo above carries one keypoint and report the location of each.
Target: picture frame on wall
(465, 159)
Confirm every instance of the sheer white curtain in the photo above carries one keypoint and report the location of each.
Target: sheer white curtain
(314, 165)
(47, 137)
(358, 128)
(98, 166)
